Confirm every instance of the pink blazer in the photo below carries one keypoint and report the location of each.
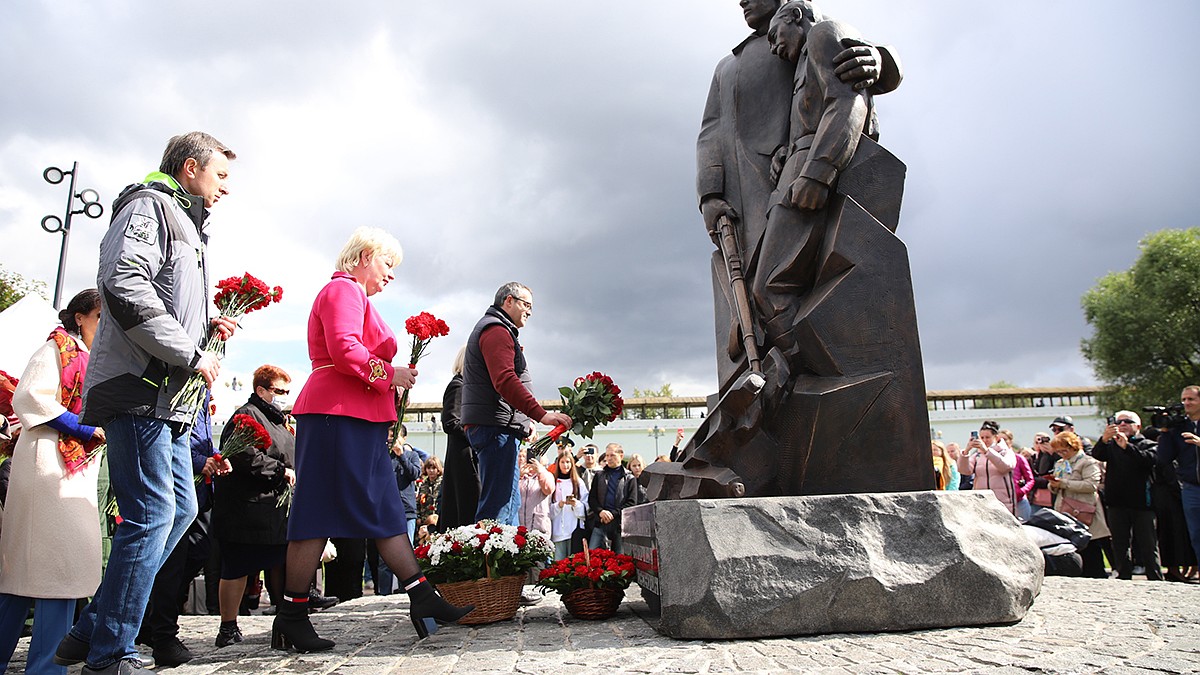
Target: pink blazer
(351, 349)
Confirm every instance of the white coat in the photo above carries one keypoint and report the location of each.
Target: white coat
(50, 542)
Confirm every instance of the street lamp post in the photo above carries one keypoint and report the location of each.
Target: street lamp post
(433, 429)
(92, 208)
(657, 433)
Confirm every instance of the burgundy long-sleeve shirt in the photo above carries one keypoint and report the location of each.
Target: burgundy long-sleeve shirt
(499, 352)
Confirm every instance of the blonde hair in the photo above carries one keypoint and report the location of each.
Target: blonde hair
(460, 360)
(371, 240)
(945, 471)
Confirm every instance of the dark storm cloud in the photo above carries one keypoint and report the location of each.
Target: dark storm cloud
(554, 144)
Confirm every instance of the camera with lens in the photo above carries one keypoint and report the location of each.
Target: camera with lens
(1166, 417)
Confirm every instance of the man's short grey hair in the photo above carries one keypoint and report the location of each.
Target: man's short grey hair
(511, 288)
(196, 145)
(1128, 415)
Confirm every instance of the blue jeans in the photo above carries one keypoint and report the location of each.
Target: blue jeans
(601, 536)
(562, 549)
(51, 621)
(496, 450)
(1191, 513)
(151, 477)
(511, 513)
(1024, 509)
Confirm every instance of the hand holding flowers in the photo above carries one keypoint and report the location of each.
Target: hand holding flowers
(235, 296)
(246, 434)
(423, 328)
(594, 400)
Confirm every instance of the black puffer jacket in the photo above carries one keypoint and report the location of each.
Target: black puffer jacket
(246, 501)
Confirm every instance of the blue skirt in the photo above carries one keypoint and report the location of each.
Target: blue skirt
(345, 483)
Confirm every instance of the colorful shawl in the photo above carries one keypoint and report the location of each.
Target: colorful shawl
(72, 366)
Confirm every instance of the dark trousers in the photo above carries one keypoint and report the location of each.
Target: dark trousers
(344, 574)
(161, 621)
(1136, 525)
(1093, 558)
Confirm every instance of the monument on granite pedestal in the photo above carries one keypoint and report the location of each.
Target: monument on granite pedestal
(821, 384)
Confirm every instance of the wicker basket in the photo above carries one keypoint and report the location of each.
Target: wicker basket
(494, 599)
(593, 603)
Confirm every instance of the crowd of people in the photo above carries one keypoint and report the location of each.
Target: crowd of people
(336, 485)
(1134, 494)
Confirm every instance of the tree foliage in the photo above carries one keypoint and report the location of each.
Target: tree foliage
(13, 287)
(1008, 402)
(662, 392)
(1145, 344)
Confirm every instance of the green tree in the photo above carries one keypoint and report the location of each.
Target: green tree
(662, 392)
(1145, 344)
(1006, 402)
(13, 287)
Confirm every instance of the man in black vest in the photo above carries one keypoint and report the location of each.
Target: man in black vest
(498, 407)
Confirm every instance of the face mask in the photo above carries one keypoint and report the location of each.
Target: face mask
(281, 402)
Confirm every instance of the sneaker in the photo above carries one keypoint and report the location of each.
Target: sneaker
(71, 650)
(530, 598)
(122, 667)
(171, 652)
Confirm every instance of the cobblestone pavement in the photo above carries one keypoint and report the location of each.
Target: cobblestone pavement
(1075, 626)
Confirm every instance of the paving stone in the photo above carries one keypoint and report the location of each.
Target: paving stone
(1074, 626)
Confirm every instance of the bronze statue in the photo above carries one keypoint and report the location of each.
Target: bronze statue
(821, 386)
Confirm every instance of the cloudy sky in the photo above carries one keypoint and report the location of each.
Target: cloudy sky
(554, 143)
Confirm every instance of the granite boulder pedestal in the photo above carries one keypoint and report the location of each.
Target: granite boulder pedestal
(775, 566)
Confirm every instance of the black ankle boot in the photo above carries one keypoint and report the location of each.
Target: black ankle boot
(427, 607)
(293, 629)
(228, 634)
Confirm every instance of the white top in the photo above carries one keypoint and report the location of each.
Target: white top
(564, 520)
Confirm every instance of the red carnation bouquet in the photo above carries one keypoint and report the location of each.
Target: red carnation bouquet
(246, 434)
(594, 400)
(590, 568)
(423, 328)
(235, 296)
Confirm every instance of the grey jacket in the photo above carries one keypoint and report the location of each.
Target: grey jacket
(153, 284)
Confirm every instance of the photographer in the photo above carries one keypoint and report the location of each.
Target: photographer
(1180, 443)
(1130, 462)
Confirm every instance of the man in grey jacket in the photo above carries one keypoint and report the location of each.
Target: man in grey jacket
(153, 284)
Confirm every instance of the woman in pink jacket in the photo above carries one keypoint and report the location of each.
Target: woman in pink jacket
(989, 459)
(345, 486)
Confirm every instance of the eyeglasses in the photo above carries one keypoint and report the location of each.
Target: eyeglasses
(1056, 429)
(1125, 422)
(279, 392)
(528, 304)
